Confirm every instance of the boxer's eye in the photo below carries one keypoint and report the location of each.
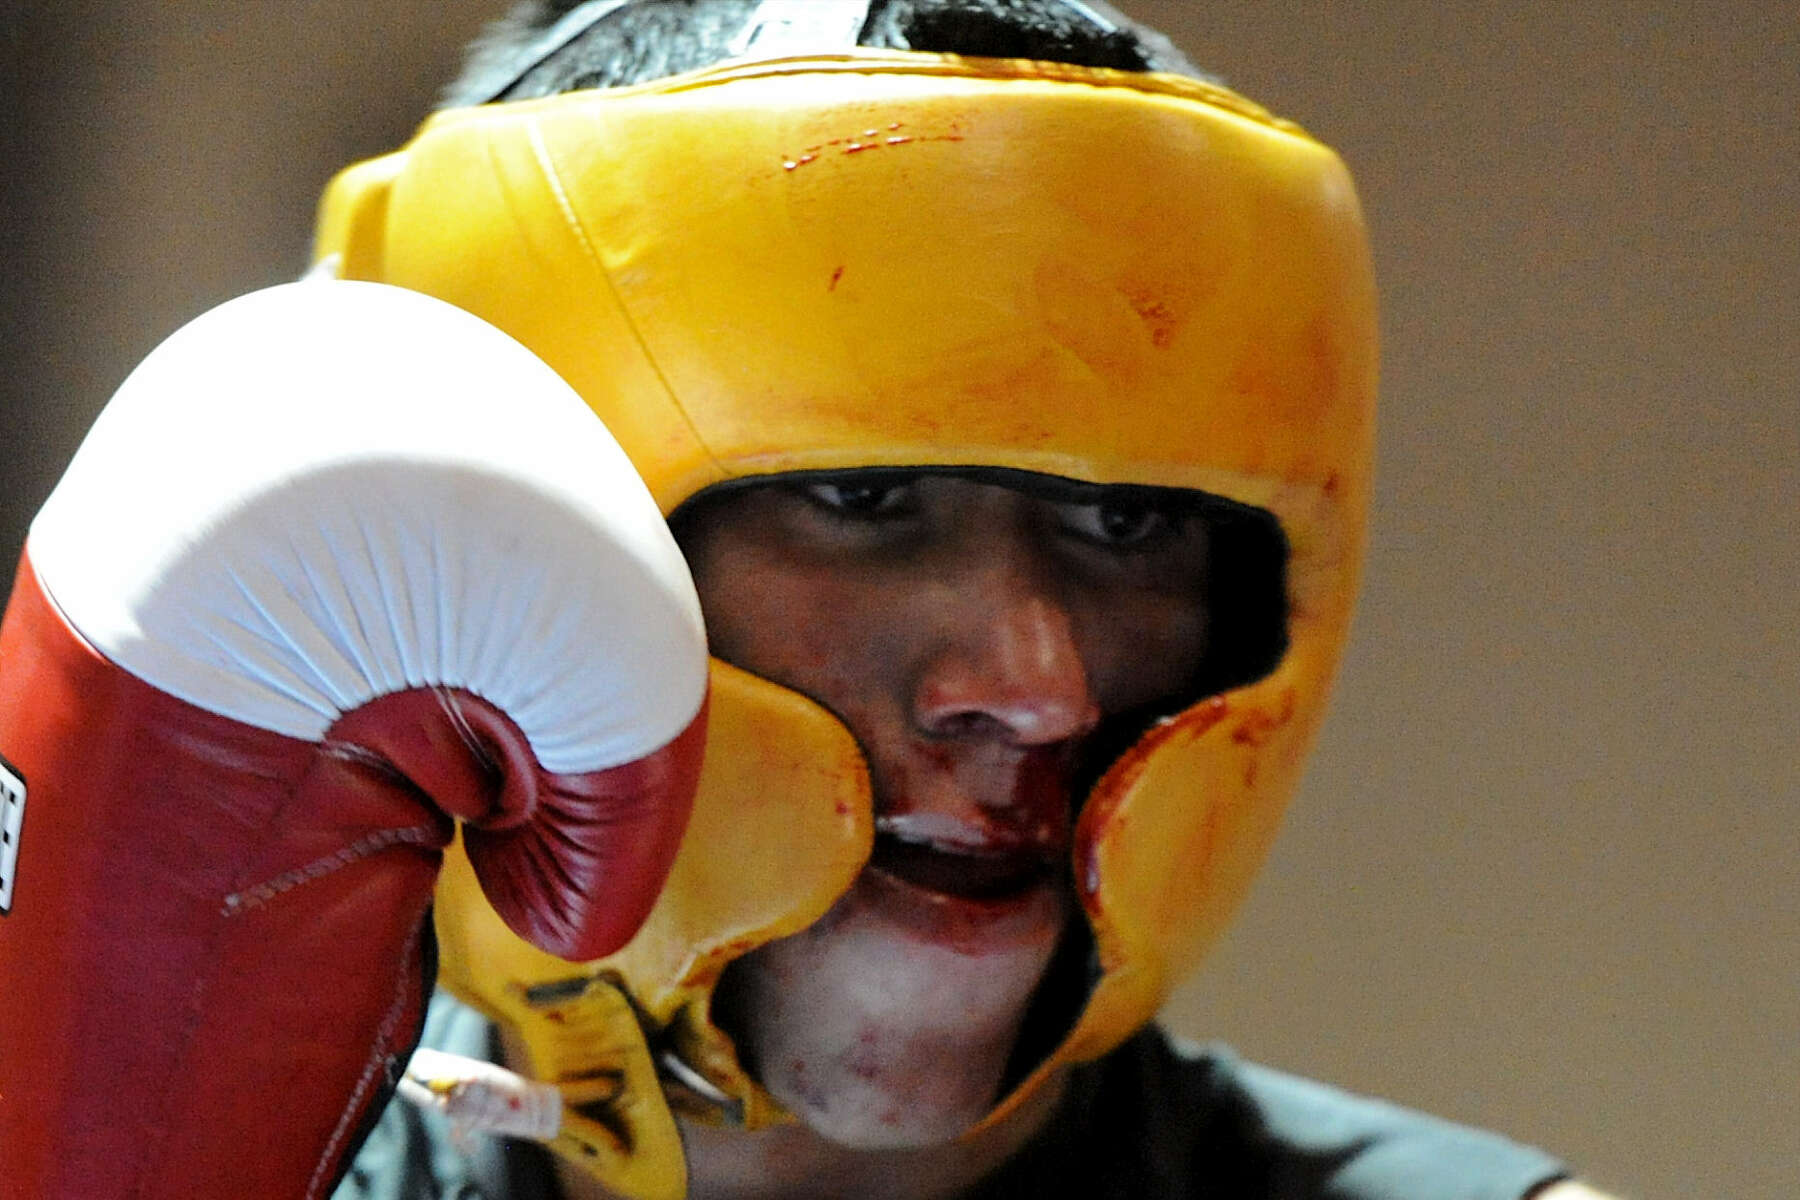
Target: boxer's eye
(862, 500)
(1120, 523)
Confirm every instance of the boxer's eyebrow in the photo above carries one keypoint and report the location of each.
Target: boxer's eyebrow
(1060, 489)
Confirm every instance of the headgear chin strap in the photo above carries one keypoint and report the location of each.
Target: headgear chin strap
(917, 261)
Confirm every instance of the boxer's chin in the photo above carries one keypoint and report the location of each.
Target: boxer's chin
(890, 1023)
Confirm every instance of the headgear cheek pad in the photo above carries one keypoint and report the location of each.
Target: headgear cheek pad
(907, 260)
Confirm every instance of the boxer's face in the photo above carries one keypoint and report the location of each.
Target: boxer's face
(974, 638)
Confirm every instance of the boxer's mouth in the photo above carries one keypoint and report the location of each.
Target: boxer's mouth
(970, 868)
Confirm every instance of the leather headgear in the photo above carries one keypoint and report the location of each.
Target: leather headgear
(892, 259)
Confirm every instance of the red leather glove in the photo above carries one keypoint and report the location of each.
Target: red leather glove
(339, 565)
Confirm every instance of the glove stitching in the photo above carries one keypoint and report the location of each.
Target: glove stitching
(240, 902)
(379, 1060)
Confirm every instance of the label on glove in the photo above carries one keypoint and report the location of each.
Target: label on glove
(12, 821)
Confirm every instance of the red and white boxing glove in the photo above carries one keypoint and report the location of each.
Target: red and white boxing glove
(338, 566)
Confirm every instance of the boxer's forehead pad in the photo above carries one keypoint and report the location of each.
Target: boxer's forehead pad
(905, 260)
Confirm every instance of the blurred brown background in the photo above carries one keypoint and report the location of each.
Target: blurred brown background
(1544, 873)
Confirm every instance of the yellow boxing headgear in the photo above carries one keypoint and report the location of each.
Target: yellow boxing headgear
(905, 260)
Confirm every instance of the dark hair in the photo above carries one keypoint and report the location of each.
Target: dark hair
(651, 39)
